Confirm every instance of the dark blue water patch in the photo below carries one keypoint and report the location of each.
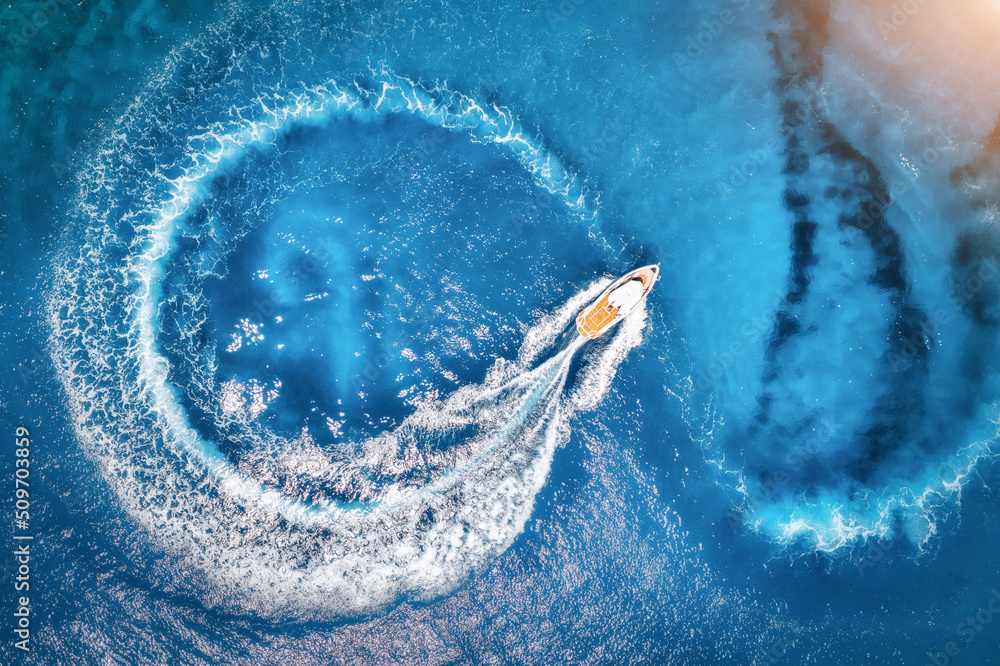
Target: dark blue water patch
(361, 265)
(854, 198)
(975, 267)
(975, 178)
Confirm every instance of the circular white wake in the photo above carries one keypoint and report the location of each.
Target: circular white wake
(261, 549)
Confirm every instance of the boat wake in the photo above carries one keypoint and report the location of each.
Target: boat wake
(274, 554)
(290, 526)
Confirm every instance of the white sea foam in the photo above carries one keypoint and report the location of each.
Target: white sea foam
(268, 548)
(838, 519)
(276, 554)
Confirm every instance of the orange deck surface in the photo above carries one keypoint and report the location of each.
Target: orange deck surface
(595, 320)
(591, 323)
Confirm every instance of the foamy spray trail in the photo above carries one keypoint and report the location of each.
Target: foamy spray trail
(275, 555)
(418, 509)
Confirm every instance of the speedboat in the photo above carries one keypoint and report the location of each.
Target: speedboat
(623, 296)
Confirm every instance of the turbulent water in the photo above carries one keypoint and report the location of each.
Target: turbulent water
(289, 304)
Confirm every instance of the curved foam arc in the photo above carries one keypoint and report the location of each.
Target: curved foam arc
(522, 389)
(319, 557)
(313, 106)
(494, 124)
(486, 507)
(830, 525)
(539, 387)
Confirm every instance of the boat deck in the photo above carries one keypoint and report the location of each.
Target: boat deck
(600, 316)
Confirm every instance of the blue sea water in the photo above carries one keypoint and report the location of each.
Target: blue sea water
(288, 292)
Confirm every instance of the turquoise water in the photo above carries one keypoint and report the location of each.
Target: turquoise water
(289, 293)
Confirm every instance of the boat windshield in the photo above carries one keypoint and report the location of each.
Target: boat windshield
(626, 296)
